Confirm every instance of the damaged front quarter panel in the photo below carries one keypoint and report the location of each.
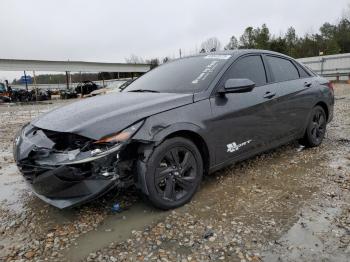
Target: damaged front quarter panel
(27, 139)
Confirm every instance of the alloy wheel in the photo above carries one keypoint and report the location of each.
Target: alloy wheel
(175, 175)
(318, 125)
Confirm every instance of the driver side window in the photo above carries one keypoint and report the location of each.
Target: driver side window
(250, 67)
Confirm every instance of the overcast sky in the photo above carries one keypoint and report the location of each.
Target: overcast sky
(111, 30)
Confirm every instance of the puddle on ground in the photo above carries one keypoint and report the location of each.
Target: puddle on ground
(12, 188)
(308, 239)
(115, 228)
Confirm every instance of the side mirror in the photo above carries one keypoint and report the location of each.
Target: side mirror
(238, 86)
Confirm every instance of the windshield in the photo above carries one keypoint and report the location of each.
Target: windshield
(188, 75)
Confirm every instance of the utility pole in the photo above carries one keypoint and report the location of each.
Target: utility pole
(103, 80)
(26, 80)
(35, 86)
(67, 79)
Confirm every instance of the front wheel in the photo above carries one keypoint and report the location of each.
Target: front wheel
(316, 128)
(174, 172)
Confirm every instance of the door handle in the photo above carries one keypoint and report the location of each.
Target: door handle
(269, 95)
(307, 84)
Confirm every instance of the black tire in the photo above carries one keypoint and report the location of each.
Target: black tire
(316, 128)
(173, 173)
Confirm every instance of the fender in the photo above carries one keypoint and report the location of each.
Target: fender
(153, 137)
(158, 133)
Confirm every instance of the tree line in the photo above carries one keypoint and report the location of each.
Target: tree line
(331, 39)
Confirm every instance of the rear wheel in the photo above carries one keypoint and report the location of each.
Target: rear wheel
(174, 172)
(316, 128)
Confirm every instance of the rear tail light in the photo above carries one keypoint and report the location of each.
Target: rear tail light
(330, 85)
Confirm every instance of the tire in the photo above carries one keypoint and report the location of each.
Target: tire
(173, 173)
(316, 128)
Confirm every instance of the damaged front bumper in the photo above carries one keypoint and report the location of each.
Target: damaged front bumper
(66, 178)
(61, 193)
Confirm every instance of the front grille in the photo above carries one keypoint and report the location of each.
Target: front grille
(78, 173)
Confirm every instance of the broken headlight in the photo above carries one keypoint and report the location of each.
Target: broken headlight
(75, 149)
(106, 145)
(122, 136)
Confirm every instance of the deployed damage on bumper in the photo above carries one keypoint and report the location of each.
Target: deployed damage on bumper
(66, 169)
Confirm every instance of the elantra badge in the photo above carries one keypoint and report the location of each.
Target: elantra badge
(233, 147)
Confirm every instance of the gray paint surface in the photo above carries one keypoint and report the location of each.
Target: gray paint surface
(100, 116)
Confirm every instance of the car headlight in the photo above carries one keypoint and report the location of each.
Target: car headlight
(122, 136)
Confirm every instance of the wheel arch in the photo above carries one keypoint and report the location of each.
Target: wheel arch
(156, 134)
(307, 139)
(324, 107)
(146, 150)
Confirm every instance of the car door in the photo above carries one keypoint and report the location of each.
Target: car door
(291, 105)
(243, 122)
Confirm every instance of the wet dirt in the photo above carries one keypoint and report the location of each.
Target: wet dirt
(12, 117)
(115, 228)
(289, 204)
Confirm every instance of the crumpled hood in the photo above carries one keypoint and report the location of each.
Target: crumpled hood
(100, 116)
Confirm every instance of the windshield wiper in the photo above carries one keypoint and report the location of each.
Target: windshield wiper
(144, 90)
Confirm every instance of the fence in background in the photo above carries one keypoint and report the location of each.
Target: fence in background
(333, 67)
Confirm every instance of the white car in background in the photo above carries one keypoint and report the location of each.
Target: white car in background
(112, 87)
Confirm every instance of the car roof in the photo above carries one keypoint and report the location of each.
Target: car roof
(239, 52)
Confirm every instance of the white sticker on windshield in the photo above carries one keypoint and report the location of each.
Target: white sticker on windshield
(221, 57)
(206, 71)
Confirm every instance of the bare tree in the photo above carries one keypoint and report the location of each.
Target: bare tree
(210, 45)
(346, 12)
(134, 59)
(153, 62)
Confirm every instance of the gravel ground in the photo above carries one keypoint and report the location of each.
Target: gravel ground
(290, 204)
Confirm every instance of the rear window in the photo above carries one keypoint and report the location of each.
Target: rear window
(302, 72)
(282, 69)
